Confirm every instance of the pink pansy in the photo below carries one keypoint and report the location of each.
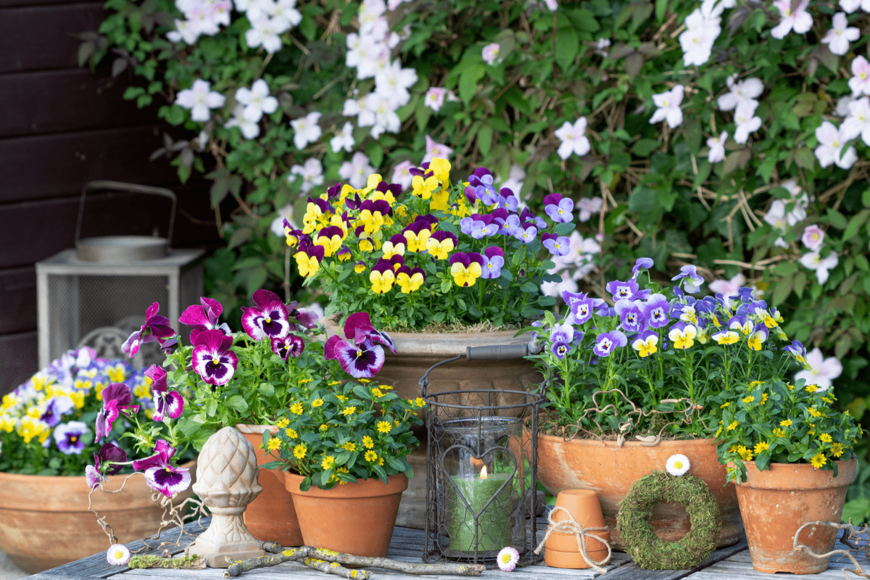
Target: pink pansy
(822, 370)
(717, 147)
(821, 266)
(116, 400)
(166, 403)
(490, 53)
(668, 104)
(156, 327)
(798, 20)
(813, 237)
(860, 81)
(839, 37)
(205, 316)
(830, 149)
(434, 150)
(268, 319)
(160, 474)
(212, 358)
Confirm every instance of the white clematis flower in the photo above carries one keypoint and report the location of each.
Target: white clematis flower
(250, 129)
(199, 99)
(800, 20)
(830, 149)
(746, 121)
(256, 101)
(343, 139)
(858, 120)
(745, 91)
(357, 170)
(311, 173)
(814, 261)
(717, 147)
(573, 138)
(860, 82)
(839, 37)
(306, 130)
(668, 104)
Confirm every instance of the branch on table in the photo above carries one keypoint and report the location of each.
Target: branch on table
(852, 538)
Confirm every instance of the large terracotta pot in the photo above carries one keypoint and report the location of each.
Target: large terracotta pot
(415, 353)
(271, 517)
(354, 518)
(610, 471)
(776, 502)
(45, 522)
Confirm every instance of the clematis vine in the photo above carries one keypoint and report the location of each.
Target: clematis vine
(166, 403)
(306, 129)
(821, 266)
(798, 19)
(839, 37)
(213, 360)
(831, 144)
(116, 401)
(268, 319)
(717, 147)
(573, 139)
(199, 99)
(822, 371)
(813, 237)
(156, 327)
(860, 81)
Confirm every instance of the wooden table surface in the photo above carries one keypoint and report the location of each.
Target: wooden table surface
(407, 545)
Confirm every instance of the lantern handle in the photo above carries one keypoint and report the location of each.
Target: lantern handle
(132, 188)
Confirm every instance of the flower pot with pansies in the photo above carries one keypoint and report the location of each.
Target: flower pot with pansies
(790, 454)
(344, 445)
(635, 381)
(443, 265)
(47, 443)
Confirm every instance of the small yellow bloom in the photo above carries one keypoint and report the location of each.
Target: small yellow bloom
(837, 449)
(324, 427)
(291, 433)
(786, 423)
(762, 446)
(748, 399)
(814, 412)
(732, 426)
(282, 423)
(327, 462)
(349, 446)
(764, 397)
(303, 381)
(811, 388)
(718, 432)
(299, 451)
(371, 456)
(744, 453)
(419, 402)
(348, 411)
(367, 442)
(790, 387)
(317, 403)
(365, 381)
(274, 443)
(296, 408)
(384, 426)
(377, 393)
(819, 460)
(441, 169)
(825, 438)
(755, 383)
(333, 383)
(723, 405)
(779, 432)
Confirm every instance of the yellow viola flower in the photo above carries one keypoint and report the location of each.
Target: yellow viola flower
(367, 442)
(330, 244)
(441, 168)
(726, 337)
(683, 335)
(8, 424)
(282, 423)
(465, 275)
(439, 200)
(417, 242)
(646, 346)
(307, 265)
(384, 427)
(819, 460)
(410, 281)
(382, 282)
(440, 250)
(116, 373)
(328, 462)
(391, 250)
(423, 188)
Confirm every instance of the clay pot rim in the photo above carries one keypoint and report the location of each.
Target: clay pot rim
(628, 444)
(363, 488)
(781, 476)
(255, 429)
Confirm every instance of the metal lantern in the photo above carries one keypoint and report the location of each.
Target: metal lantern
(481, 468)
(100, 291)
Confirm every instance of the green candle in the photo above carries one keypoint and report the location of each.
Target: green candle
(494, 525)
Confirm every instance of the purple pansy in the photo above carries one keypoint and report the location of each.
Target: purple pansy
(481, 181)
(608, 341)
(268, 319)
(166, 403)
(68, 437)
(358, 360)
(562, 332)
(741, 323)
(558, 245)
(493, 262)
(507, 200)
(290, 345)
(470, 194)
(203, 317)
(656, 310)
(302, 317)
(116, 400)
(57, 407)
(641, 264)
(559, 208)
(212, 358)
(797, 350)
(692, 280)
(106, 462)
(156, 327)
(622, 290)
(631, 316)
(160, 474)
(358, 327)
(528, 216)
(582, 307)
(526, 233)
(560, 349)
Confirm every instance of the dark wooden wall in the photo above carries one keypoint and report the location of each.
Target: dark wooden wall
(61, 126)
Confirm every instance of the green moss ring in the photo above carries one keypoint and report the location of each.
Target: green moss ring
(641, 543)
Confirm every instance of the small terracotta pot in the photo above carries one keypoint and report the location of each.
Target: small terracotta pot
(610, 471)
(562, 550)
(776, 502)
(45, 522)
(354, 518)
(271, 517)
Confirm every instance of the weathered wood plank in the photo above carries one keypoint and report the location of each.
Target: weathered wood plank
(39, 102)
(18, 358)
(632, 571)
(45, 37)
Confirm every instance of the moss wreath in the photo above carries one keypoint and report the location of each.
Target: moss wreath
(641, 543)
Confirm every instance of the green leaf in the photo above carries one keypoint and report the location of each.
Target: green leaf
(858, 220)
(661, 10)
(564, 229)
(266, 389)
(484, 139)
(468, 81)
(836, 219)
(644, 147)
(567, 45)
(382, 474)
(782, 290)
(237, 403)
(519, 256)
(804, 158)
(529, 288)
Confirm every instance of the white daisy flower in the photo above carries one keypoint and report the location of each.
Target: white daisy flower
(118, 555)
(677, 465)
(508, 558)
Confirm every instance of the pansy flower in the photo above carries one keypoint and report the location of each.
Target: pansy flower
(160, 474)
(528, 216)
(692, 281)
(424, 187)
(359, 267)
(394, 246)
(741, 323)
(471, 194)
(559, 208)
(481, 180)
(416, 236)
(344, 254)
(526, 233)
(563, 332)
(329, 238)
(212, 358)
(581, 306)
(203, 316)
(68, 437)
(630, 316)
(757, 337)
(292, 235)
(57, 407)
(290, 345)
(645, 343)
(507, 200)
(608, 341)
(798, 351)
(268, 319)
(440, 244)
(656, 310)
(382, 277)
(362, 359)
(116, 400)
(466, 268)
(493, 262)
(308, 259)
(560, 349)
(508, 226)
(557, 245)
(156, 327)
(166, 403)
(766, 317)
(410, 280)
(622, 290)
(106, 462)
(302, 317)
(683, 335)
(725, 337)
(358, 328)
(641, 264)
(373, 214)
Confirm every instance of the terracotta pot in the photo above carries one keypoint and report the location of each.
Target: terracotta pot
(415, 353)
(355, 518)
(776, 502)
(271, 517)
(561, 549)
(610, 471)
(46, 522)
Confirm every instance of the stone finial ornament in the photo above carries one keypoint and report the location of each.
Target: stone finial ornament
(226, 480)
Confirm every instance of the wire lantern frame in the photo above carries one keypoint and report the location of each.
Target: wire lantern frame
(481, 477)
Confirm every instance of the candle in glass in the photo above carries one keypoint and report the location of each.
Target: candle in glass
(494, 525)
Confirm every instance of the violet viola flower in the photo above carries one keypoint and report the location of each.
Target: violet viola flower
(302, 317)
(562, 332)
(493, 262)
(58, 406)
(358, 360)
(560, 349)
(656, 310)
(203, 317)
(607, 342)
(166, 403)
(582, 307)
(693, 280)
(290, 345)
(510, 225)
(268, 319)
(156, 327)
(641, 264)
(558, 245)
(170, 345)
(798, 351)
(559, 208)
(622, 290)
(484, 226)
(212, 358)
(106, 462)
(526, 233)
(116, 400)
(471, 194)
(630, 316)
(481, 181)
(507, 200)
(68, 437)
(160, 474)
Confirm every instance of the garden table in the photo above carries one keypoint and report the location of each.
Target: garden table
(730, 563)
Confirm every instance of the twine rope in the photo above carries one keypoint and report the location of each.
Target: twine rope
(572, 526)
